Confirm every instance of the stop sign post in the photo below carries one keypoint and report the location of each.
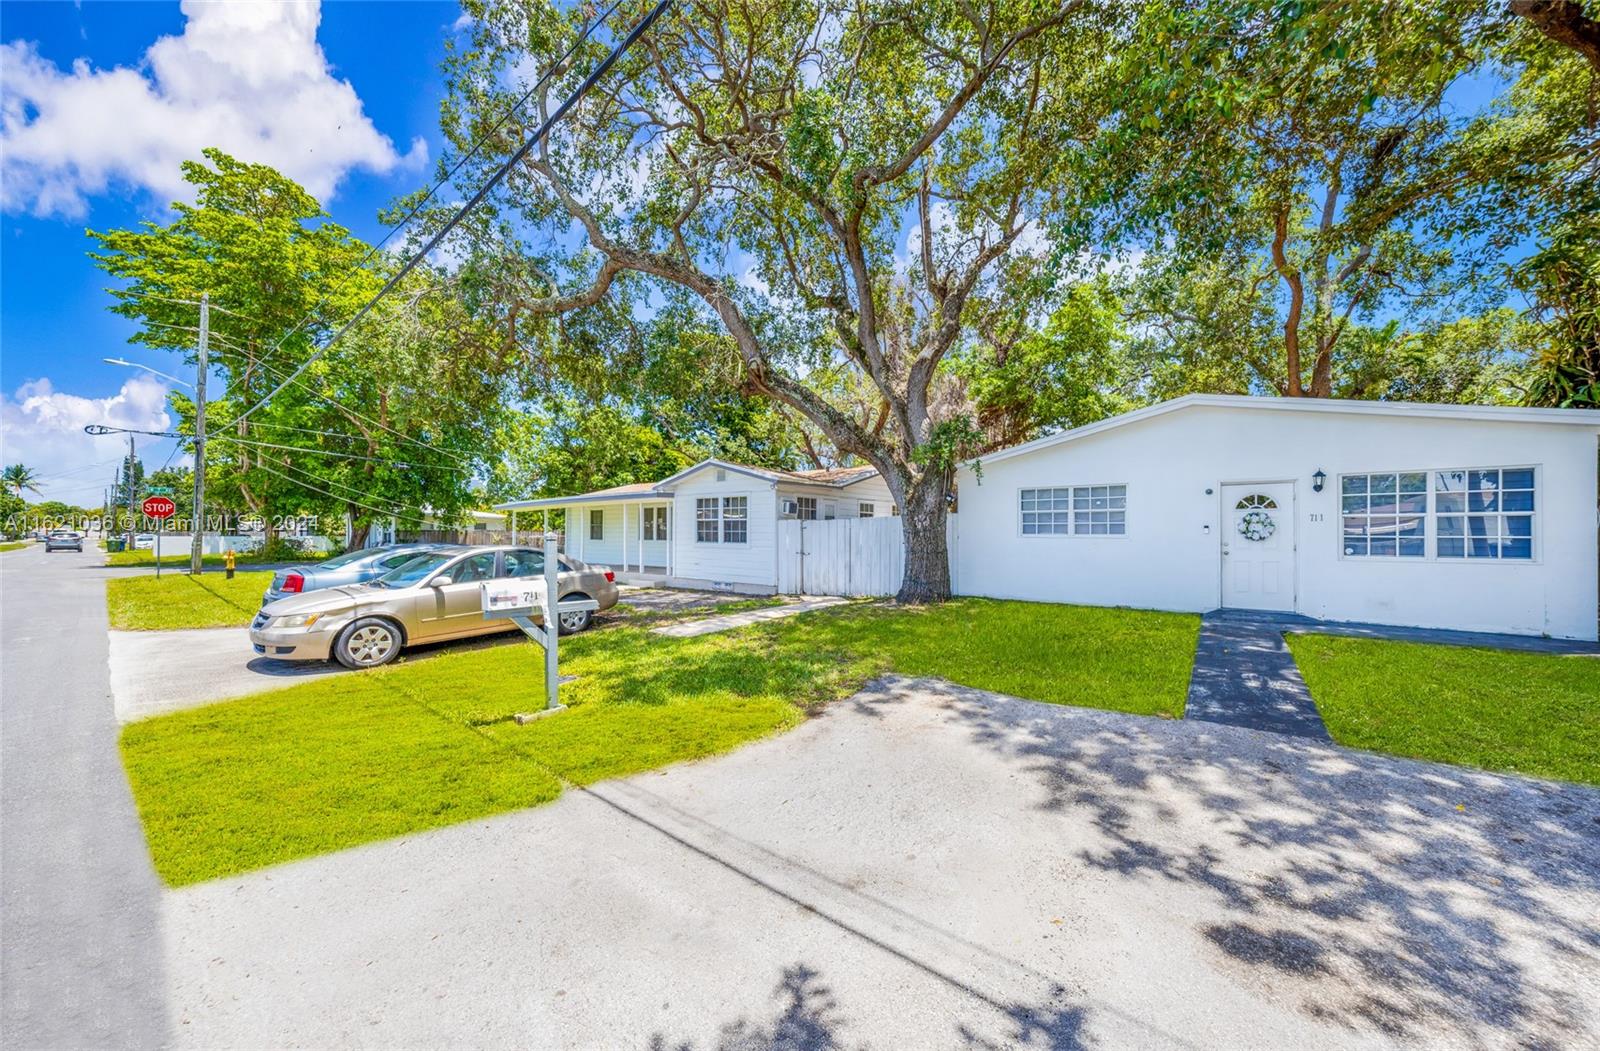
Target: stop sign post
(160, 508)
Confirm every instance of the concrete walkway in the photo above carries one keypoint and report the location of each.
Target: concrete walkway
(1294, 623)
(729, 621)
(1244, 675)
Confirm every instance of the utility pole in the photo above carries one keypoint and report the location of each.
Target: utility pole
(196, 549)
(128, 481)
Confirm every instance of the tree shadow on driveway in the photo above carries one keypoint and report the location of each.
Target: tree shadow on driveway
(1418, 900)
(809, 1018)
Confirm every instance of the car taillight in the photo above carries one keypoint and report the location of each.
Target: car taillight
(294, 582)
(611, 578)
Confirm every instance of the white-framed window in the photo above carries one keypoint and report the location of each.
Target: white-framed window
(806, 507)
(1484, 513)
(655, 523)
(1076, 510)
(1454, 513)
(1384, 515)
(707, 520)
(597, 524)
(864, 509)
(830, 510)
(735, 519)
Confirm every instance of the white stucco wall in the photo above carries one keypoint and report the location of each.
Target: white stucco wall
(1171, 556)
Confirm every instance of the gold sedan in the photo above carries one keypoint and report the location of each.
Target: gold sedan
(432, 598)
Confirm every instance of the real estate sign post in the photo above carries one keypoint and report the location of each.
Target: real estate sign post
(517, 599)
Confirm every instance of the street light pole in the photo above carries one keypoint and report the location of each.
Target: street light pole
(196, 548)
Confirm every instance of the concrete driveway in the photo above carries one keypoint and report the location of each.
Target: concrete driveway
(929, 866)
(163, 671)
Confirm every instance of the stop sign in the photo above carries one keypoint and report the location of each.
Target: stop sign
(159, 507)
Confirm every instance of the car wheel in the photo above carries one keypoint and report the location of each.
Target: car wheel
(367, 643)
(572, 623)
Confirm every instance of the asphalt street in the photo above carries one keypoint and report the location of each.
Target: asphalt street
(81, 956)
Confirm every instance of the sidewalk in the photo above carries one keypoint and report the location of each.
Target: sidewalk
(729, 621)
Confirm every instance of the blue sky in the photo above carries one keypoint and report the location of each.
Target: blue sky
(86, 88)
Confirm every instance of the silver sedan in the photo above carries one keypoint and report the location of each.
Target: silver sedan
(352, 567)
(432, 598)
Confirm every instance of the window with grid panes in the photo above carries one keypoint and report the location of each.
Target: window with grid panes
(1484, 513)
(1080, 510)
(1384, 515)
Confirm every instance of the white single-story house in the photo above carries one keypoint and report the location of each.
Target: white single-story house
(712, 525)
(1446, 516)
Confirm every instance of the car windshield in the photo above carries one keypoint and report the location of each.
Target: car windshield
(413, 571)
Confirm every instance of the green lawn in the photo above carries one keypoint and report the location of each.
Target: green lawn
(1530, 713)
(359, 757)
(177, 600)
(16, 545)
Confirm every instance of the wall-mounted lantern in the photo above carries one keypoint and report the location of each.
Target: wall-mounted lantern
(1317, 480)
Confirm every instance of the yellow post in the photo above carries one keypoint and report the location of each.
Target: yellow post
(227, 562)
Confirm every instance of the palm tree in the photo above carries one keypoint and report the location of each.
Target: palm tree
(18, 477)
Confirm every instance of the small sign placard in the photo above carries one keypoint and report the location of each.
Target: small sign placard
(505, 597)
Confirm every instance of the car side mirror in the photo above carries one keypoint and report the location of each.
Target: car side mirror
(438, 581)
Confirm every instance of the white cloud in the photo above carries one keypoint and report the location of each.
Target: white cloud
(248, 77)
(43, 428)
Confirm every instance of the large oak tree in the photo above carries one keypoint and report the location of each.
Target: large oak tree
(839, 185)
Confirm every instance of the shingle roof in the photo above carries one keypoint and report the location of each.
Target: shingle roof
(830, 476)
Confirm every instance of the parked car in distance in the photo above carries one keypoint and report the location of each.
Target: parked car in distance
(432, 598)
(352, 567)
(63, 540)
(144, 541)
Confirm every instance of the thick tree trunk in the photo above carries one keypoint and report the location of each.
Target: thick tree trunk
(1565, 22)
(923, 517)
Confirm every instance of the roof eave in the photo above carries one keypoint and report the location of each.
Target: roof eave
(1486, 413)
(582, 498)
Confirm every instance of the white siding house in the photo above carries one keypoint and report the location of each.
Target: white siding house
(713, 525)
(1466, 517)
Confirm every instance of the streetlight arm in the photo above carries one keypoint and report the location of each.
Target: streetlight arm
(147, 368)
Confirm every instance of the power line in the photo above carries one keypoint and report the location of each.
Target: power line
(71, 472)
(275, 374)
(174, 299)
(477, 198)
(294, 378)
(417, 208)
(335, 496)
(305, 430)
(342, 456)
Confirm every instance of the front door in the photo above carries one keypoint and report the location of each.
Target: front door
(1258, 546)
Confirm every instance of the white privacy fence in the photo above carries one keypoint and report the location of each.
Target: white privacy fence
(846, 556)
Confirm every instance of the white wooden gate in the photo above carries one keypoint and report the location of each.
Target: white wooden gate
(846, 556)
